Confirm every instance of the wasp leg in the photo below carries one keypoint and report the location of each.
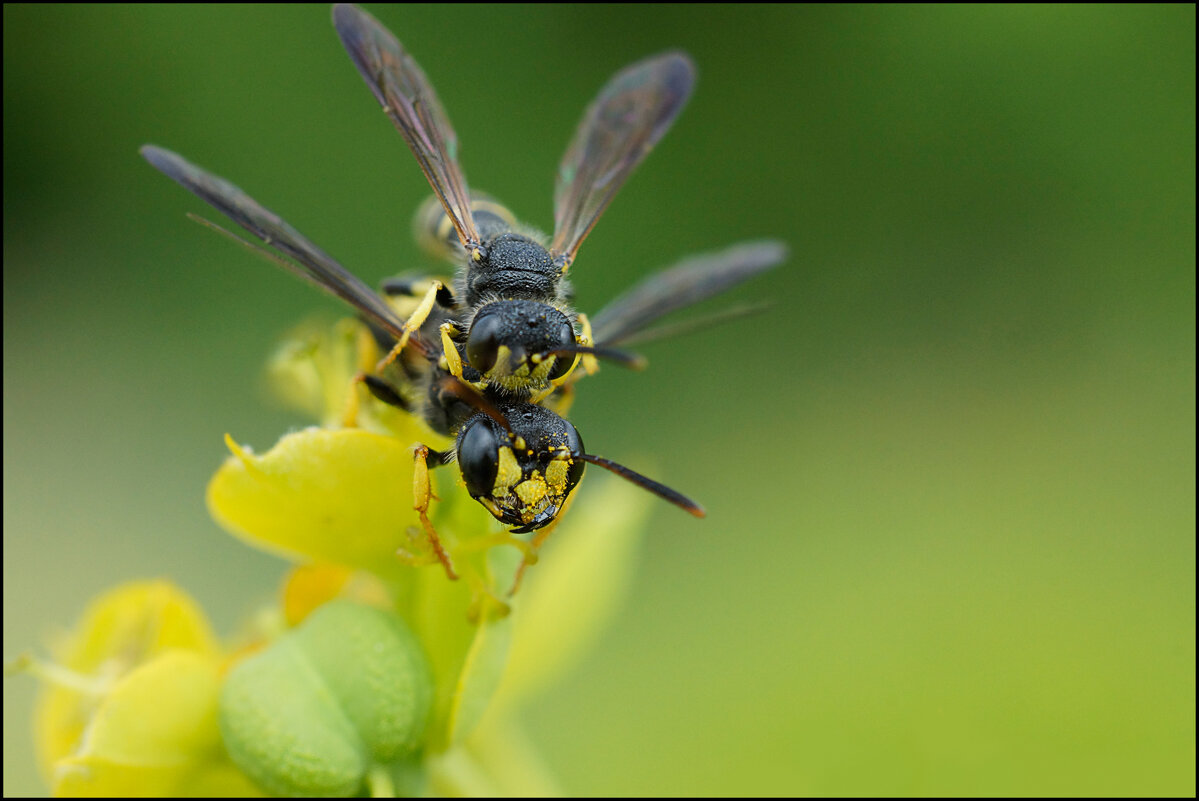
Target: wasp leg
(422, 492)
(401, 286)
(413, 323)
(452, 358)
(530, 552)
(384, 391)
(560, 400)
(367, 352)
(590, 363)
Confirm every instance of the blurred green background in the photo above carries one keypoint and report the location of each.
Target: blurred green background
(950, 475)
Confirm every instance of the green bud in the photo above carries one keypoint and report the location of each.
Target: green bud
(310, 715)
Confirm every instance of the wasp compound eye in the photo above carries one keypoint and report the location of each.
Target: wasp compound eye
(575, 445)
(478, 456)
(565, 339)
(525, 328)
(483, 342)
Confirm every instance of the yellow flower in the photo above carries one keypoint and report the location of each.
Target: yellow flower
(130, 705)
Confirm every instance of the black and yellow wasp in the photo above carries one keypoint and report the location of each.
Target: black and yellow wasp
(491, 360)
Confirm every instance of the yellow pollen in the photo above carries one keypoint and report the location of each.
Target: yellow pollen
(507, 474)
(531, 490)
(555, 475)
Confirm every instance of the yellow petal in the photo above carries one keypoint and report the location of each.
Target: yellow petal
(307, 587)
(312, 370)
(119, 631)
(155, 734)
(342, 496)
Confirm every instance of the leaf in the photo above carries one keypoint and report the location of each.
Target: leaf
(577, 587)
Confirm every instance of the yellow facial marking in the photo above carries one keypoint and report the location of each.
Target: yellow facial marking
(531, 490)
(502, 358)
(490, 506)
(507, 474)
(555, 475)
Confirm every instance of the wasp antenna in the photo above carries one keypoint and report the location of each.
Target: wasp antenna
(661, 490)
(468, 394)
(634, 361)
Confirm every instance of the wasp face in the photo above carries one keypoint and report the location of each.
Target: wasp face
(511, 342)
(522, 476)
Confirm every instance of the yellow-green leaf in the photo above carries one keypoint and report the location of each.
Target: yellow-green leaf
(577, 586)
(466, 629)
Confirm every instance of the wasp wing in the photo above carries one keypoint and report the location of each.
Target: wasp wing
(313, 264)
(398, 83)
(631, 113)
(688, 282)
(701, 323)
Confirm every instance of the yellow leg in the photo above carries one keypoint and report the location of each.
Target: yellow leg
(590, 363)
(562, 403)
(422, 493)
(530, 557)
(366, 353)
(452, 359)
(412, 324)
(349, 414)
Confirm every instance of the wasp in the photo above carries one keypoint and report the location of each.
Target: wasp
(490, 360)
(512, 326)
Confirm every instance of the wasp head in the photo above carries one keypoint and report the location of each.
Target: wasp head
(517, 344)
(522, 475)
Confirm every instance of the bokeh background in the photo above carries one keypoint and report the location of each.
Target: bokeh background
(950, 474)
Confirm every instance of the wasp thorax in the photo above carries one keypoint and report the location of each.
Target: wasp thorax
(519, 338)
(512, 266)
(522, 476)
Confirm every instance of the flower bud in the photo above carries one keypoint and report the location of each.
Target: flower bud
(313, 713)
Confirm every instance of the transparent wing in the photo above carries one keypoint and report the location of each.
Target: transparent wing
(688, 282)
(631, 114)
(409, 100)
(312, 263)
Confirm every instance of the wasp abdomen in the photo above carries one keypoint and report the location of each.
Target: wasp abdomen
(435, 231)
